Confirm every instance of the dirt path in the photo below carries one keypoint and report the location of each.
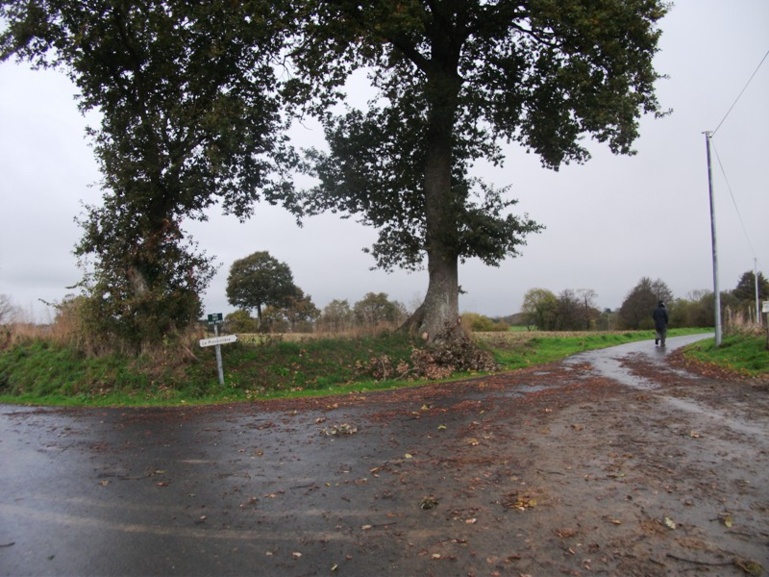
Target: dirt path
(615, 463)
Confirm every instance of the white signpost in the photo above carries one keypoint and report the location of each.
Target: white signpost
(223, 340)
(217, 341)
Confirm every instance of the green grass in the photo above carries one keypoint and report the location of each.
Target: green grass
(41, 373)
(744, 354)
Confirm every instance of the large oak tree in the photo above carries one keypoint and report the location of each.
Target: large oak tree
(456, 79)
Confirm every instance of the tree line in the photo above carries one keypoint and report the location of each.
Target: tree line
(575, 310)
(262, 284)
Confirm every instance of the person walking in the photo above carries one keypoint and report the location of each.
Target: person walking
(660, 316)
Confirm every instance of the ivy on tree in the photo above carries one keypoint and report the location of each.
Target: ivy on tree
(189, 118)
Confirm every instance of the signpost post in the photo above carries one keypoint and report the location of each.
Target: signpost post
(217, 341)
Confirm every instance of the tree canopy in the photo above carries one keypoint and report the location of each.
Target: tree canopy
(635, 312)
(189, 117)
(260, 280)
(455, 80)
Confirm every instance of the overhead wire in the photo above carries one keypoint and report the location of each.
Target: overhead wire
(734, 201)
(741, 93)
(720, 164)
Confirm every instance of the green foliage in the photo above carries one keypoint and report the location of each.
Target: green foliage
(260, 280)
(377, 309)
(540, 309)
(240, 322)
(337, 316)
(481, 323)
(746, 287)
(189, 118)
(455, 80)
(41, 372)
(297, 315)
(636, 310)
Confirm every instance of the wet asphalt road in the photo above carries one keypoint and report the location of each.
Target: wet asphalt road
(238, 490)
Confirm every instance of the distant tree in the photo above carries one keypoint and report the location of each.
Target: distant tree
(376, 309)
(478, 323)
(540, 308)
(337, 316)
(8, 311)
(260, 280)
(746, 287)
(696, 310)
(745, 296)
(636, 310)
(588, 313)
(607, 320)
(298, 315)
(240, 321)
(568, 315)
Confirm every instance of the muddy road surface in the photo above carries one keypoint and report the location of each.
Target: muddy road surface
(620, 462)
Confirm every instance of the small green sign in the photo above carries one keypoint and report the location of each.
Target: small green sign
(215, 318)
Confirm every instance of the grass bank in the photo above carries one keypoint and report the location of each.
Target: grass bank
(41, 372)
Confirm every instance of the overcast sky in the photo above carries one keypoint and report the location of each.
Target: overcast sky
(609, 222)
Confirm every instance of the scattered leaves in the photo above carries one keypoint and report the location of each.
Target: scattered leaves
(336, 430)
(520, 501)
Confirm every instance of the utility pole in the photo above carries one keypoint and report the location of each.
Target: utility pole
(716, 291)
(755, 278)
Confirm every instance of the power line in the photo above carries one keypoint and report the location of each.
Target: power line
(740, 94)
(734, 201)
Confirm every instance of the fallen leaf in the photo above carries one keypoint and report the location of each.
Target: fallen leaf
(366, 527)
(436, 556)
(441, 427)
(750, 567)
(408, 456)
(670, 523)
(726, 519)
(471, 521)
(296, 554)
(428, 503)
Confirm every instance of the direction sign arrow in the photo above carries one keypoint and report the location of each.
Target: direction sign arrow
(218, 340)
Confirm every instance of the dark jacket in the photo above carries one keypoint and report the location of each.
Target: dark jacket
(660, 316)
